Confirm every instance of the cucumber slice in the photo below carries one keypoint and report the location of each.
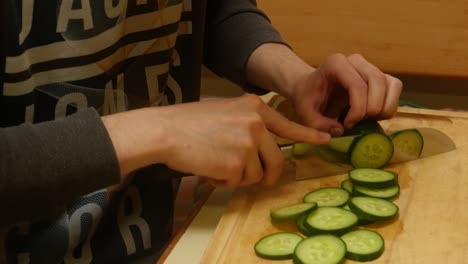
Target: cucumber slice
(301, 227)
(347, 185)
(331, 196)
(363, 245)
(341, 144)
(277, 246)
(407, 144)
(372, 150)
(330, 220)
(372, 209)
(291, 211)
(301, 149)
(320, 249)
(372, 178)
(384, 193)
(346, 206)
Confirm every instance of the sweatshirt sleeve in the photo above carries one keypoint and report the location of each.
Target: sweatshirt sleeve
(44, 167)
(234, 29)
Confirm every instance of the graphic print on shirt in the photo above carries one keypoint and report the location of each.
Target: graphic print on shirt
(113, 55)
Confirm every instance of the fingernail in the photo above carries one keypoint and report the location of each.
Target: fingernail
(351, 125)
(324, 136)
(336, 131)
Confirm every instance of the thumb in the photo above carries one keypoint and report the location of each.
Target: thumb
(323, 123)
(281, 126)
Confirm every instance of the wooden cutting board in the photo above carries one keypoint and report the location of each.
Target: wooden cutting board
(432, 226)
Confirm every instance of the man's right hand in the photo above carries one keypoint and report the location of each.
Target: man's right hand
(225, 140)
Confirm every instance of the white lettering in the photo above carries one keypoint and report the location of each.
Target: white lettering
(66, 13)
(29, 114)
(115, 11)
(61, 107)
(114, 104)
(175, 88)
(26, 20)
(133, 219)
(75, 233)
(152, 73)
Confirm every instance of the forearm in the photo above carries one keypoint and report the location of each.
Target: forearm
(44, 167)
(277, 68)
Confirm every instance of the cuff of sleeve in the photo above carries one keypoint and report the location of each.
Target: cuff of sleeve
(52, 163)
(230, 49)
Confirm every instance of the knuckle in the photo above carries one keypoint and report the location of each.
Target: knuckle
(336, 58)
(234, 167)
(255, 101)
(356, 57)
(255, 123)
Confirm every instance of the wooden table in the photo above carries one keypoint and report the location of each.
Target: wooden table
(432, 226)
(426, 37)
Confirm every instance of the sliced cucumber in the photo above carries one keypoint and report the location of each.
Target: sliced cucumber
(320, 249)
(347, 185)
(363, 245)
(331, 196)
(301, 149)
(407, 144)
(346, 206)
(372, 150)
(291, 211)
(372, 209)
(384, 193)
(277, 246)
(301, 227)
(372, 178)
(341, 144)
(330, 220)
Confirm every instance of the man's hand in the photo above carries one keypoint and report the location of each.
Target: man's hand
(227, 141)
(342, 82)
(320, 95)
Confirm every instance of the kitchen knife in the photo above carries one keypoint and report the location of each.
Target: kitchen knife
(321, 160)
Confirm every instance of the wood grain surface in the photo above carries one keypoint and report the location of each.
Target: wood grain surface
(432, 226)
(426, 37)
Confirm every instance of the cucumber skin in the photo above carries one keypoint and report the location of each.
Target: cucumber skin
(337, 232)
(356, 192)
(296, 260)
(356, 141)
(382, 184)
(392, 136)
(277, 218)
(361, 258)
(368, 257)
(376, 185)
(337, 205)
(343, 186)
(301, 227)
(289, 256)
(366, 218)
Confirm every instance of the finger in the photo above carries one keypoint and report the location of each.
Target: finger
(272, 159)
(216, 183)
(318, 121)
(253, 170)
(339, 69)
(376, 84)
(395, 87)
(281, 126)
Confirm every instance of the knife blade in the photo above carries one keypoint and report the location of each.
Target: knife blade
(321, 160)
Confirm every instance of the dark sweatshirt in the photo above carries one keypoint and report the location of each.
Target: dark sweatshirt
(63, 64)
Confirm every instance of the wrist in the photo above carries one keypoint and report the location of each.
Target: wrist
(277, 68)
(138, 138)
